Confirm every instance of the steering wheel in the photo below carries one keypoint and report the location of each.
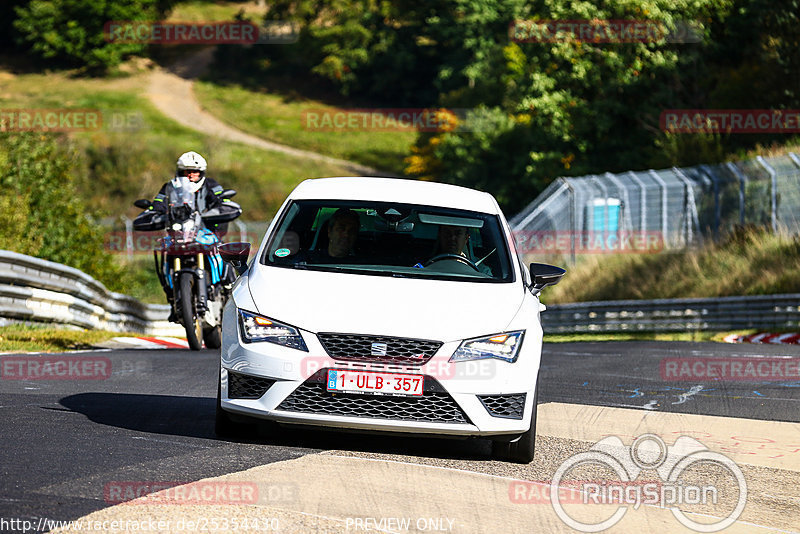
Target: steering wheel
(457, 257)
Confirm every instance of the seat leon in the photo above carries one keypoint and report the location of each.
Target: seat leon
(388, 305)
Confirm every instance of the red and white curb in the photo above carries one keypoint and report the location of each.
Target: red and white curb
(765, 337)
(157, 342)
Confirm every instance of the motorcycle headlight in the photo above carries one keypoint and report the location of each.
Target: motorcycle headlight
(503, 347)
(256, 328)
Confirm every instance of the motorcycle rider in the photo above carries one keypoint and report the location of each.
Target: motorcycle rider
(207, 190)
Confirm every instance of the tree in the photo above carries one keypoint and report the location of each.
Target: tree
(40, 212)
(70, 32)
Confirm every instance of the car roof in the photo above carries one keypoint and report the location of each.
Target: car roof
(396, 190)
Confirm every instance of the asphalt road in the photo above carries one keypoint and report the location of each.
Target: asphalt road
(64, 441)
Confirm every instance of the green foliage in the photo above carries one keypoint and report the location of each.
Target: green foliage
(42, 214)
(70, 32)
(557, 108)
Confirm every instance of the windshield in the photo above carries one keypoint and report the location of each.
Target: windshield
(390, 239)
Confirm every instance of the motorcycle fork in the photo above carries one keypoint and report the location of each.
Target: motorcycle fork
(176, 267)
(202, 290)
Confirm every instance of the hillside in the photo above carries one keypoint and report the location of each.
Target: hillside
(748, 262)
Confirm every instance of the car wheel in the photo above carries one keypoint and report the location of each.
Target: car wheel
(212, 337)
(520, 451)
(224, 426)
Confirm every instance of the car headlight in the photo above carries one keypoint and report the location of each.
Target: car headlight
(257, 328)
(503, 346)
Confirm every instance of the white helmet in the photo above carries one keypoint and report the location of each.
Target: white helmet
(191, 161)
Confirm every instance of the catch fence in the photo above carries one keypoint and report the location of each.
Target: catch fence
(684, 206)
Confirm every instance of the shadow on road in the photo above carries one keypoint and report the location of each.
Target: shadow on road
(194, 417)
(159, 414)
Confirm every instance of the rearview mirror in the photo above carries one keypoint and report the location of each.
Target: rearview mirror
(543, 275)
(236, 254)
(143, 204)
(228, 193)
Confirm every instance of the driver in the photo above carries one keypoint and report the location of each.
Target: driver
(453, 240)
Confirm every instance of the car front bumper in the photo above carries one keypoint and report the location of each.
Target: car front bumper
(457, 400)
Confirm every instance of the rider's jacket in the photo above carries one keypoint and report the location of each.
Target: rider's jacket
(206, 198)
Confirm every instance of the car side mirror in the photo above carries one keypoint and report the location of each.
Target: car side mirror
(543, 275)
(228, 193)
(236, 254)
(143, 204)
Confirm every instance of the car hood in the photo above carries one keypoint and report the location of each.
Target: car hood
(380, 305)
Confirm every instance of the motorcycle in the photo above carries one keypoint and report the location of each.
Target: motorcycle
(188, 261)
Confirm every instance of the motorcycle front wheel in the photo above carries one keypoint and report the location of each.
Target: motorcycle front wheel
(191, 320)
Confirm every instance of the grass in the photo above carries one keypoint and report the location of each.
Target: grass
(29, 338)
(133, 161)
(644, 336)
(748, 262)
(119, 165)
(279, 116)
(210, 10)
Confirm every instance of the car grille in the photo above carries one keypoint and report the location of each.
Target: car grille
(508, 406)
(247, 387)
(379, 349)
(434, 406)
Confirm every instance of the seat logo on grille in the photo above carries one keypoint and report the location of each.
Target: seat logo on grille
(379, 349)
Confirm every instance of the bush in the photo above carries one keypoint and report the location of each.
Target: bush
(71, 31)
(40, 212)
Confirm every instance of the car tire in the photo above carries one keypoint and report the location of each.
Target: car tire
(224, 426)
(520, 451)
(212, 337)
(190, 320)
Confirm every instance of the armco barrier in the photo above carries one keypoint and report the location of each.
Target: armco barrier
(42, 291)
(670, 315)
(37, 290)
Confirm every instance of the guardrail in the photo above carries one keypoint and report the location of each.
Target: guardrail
(665, 315)
(42, 291)
(37, 290)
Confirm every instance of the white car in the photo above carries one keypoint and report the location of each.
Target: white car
(390, 305)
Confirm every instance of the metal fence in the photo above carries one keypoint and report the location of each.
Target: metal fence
(35, 290)
(684, 206)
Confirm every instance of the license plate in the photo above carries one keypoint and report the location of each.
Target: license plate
(372, 382)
